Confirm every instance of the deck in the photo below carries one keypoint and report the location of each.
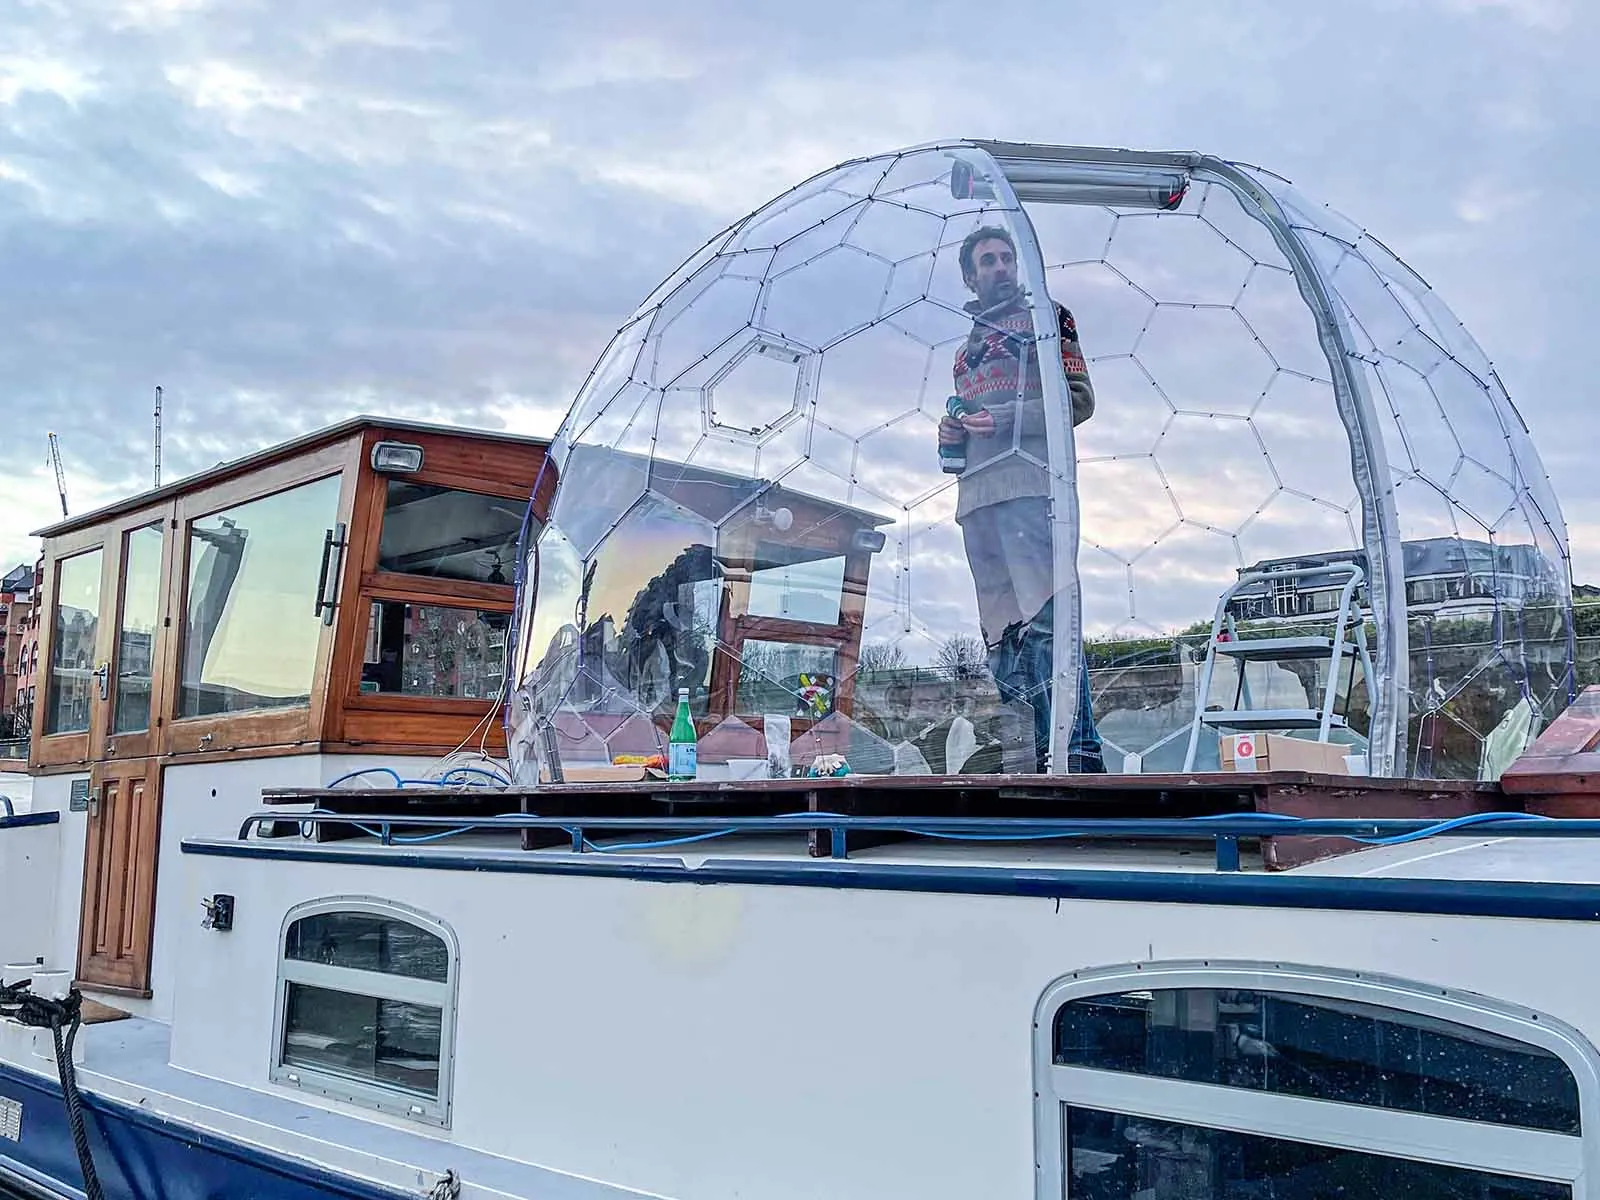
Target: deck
(556, 815)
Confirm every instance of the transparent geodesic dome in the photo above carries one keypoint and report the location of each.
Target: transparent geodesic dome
(752, 503)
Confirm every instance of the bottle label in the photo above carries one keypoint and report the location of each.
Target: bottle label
(682, 760)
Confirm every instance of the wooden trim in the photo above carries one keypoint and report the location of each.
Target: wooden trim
(279, 477)
(350, 628)
(444, 706)
(54, 749)
(504, 469)
(285, 727)
(445, 593)
(351, 718)
(237, 731)
(431, 732)
(141, 743)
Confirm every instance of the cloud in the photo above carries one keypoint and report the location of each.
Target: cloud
(284, 213)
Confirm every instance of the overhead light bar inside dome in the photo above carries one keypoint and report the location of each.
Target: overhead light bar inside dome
(1055, 182)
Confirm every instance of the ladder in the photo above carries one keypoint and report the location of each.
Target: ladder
(1349, 641)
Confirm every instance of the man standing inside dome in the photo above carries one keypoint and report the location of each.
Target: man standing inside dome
(1003, 502)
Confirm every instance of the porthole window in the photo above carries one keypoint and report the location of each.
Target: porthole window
(1214, 1083)
(366, 1006)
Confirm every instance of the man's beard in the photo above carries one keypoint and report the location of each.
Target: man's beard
(999, 293)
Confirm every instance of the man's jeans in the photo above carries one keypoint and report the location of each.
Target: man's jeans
(1022, 664)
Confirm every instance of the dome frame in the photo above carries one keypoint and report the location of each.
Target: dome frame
(1021, 178)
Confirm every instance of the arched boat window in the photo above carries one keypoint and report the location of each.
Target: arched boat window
(366, 1006)
(1220, 1084)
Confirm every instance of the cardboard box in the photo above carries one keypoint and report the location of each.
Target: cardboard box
(1280, 752)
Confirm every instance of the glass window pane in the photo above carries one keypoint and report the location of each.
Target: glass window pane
(429, 650)
(788, 584)
(1329, 1049)
(368, 942)
(73, 643)
(254, 577)
(1115, 1157)
(363, 1037)
(449, 534)
(787, 677)
(136, 629)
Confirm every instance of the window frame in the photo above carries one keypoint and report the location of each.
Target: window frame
(258, 727)
(1539, 1154)
(380, 985)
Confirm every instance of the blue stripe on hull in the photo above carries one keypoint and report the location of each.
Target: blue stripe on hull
(140, 1156)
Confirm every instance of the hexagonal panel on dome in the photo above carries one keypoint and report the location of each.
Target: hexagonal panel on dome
(1488, 498)
(894, 233)
(765, 386)
(1305, 440)
(1426, 442)
(876, 375)
(826, 298)
(1125, 505)
(1178, 259)
(1130, 411)
(1111, 311)
(717, 314)
(1287, 525)
(810, 441)
(1205, 360)
(1273, 308)
(1217, 469)
(1188, 563)
(1221, 210)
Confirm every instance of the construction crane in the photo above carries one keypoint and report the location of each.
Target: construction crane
(158, 435)
(61, 479)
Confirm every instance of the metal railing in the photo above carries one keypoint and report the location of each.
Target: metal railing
(1227, 832)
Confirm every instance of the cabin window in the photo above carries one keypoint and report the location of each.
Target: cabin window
(253, 626)
(72, 644)
(1220, 1086)
(367, 1006)
(790, 584)
(136, 629)
(432, 650)
(445, 533)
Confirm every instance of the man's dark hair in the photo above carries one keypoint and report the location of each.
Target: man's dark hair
(971, 244)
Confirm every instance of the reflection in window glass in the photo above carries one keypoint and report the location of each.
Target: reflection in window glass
(136, 630)
(251, 637)
(364, 1037)
(72, 647)
(787, 677)
(368, 942)
(797, 591)
(430, 650)
(1329, 1049)
(448, 534)
(1116, 1157)
(650, 613)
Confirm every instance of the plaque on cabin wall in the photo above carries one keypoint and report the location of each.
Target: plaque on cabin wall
(78, 799)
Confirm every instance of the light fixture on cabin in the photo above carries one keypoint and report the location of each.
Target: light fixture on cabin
(1058, 182)
(397, 458)
(781, 519)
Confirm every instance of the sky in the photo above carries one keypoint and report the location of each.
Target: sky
(286, 213)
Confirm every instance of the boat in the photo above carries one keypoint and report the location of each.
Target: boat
(353, 866)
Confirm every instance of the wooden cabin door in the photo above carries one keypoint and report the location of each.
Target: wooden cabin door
(119, 876)
(124, 807)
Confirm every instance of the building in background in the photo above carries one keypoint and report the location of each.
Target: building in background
(19, 649)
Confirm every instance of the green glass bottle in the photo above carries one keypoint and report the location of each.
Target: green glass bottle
(681, 750)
